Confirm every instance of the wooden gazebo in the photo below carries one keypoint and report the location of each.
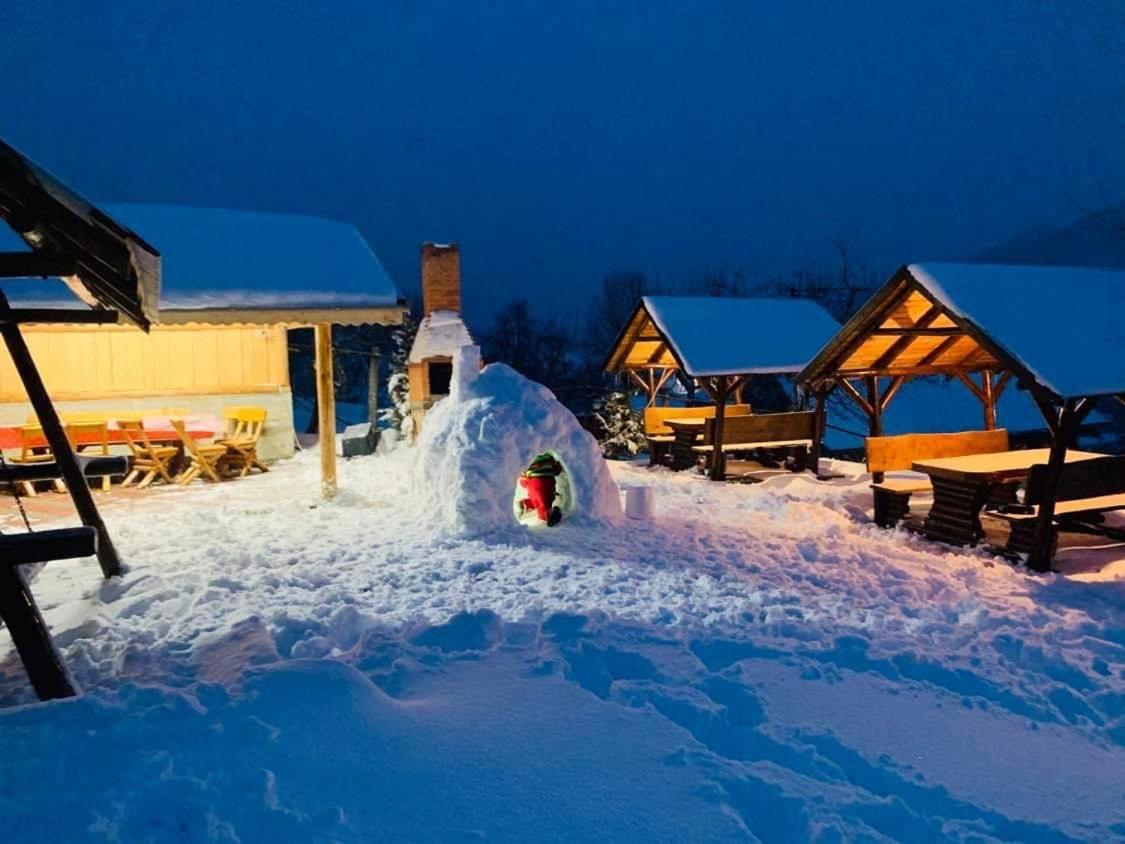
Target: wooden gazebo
(719, 343)
(1056, 331)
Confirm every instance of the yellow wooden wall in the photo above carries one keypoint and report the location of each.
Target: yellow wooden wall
(93, 362)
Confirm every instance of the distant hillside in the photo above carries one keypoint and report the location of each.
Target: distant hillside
(1093, 241)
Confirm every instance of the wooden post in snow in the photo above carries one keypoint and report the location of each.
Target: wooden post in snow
(326, 409)
(56, 438)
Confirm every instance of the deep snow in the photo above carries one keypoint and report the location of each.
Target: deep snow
(758, 662)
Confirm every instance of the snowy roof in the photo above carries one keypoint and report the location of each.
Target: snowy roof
(222, 265)
(1065, 324)
(1058, 329)
(706, 335)
(441, 334)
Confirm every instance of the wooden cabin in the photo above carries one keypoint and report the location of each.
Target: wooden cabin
(233, 283)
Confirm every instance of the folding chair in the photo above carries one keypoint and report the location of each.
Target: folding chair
(244, 429)
(34, 449)
(204, 456)
(90, 437)
(149, 461)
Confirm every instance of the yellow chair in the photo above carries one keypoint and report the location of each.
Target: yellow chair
(149, 461)
(34, 449)
(244, 429)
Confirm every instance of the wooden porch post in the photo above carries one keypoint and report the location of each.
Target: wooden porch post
(56, 438)
(326, 408)
(1039, 557)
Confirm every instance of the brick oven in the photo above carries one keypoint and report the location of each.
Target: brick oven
(442, 331)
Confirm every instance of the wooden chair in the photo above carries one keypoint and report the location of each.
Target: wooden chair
(898, 453)
(205, 457)
(149, 461)
(33, 449)
(244, 429)
(90, 436)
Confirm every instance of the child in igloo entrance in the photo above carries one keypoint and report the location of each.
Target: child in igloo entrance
(538, 480)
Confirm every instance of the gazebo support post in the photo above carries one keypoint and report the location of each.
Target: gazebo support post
(56, 438)
(820, 395)
(988, 399)
(326, 409)
(1040, 555)
(876, 415)
(720, 389)
(1074, 411)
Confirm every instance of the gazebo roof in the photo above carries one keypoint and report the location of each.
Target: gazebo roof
(224, 266)
(706, 336)
(1059, 330)
(104, 263)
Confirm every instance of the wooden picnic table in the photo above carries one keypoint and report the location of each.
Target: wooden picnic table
(963, 485)
(10, 437)
(687, 432)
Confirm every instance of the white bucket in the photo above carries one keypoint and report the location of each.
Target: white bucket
(639, 502)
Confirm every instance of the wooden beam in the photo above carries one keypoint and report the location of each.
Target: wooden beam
(60, 316)
(37, 265)
(937, 351)
(892, 390)
(918, 332)
(899, 346)
(56, 438)
(1001, 384)
(29, 634)
(658, 353)
(1049, 411)
(638, 380)
(17, 549)
(947, 369)
(819, 425)
(968, 382)
(854, 394)
(326, 409)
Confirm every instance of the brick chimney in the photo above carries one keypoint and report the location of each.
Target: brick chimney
(441, 277)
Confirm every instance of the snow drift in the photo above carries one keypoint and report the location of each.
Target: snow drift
(476, 441)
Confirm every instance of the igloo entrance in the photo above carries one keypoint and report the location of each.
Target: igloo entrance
(524, 500)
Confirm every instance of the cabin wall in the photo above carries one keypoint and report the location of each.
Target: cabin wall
(200, 369)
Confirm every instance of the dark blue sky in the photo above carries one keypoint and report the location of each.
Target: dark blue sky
(556, 141)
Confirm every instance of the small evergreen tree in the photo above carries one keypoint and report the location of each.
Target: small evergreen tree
(623, 432)
(398, 384)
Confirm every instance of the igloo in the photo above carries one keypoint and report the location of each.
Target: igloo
(475, 443)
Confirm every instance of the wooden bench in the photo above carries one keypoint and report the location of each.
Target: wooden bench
(660, 437)
(790, 432)
(898, 453)
(1086, 490)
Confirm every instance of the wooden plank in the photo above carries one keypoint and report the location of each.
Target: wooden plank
(854, 394)
(1082, 479)
(916, 332)
(656, 418)
(37, 265)
(63, 316)
(326, 409)
(794, 426)
(17, 549)
(897, 453)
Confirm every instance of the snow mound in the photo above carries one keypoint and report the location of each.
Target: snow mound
(476, 441)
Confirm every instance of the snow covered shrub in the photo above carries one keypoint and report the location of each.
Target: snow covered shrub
(623, 430)
(398, 415)
(477, 441)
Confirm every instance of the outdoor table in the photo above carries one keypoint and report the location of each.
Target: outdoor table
(686, 433)
(10, 436)
(963, 485)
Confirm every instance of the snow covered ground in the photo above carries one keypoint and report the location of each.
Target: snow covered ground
(760, 662)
